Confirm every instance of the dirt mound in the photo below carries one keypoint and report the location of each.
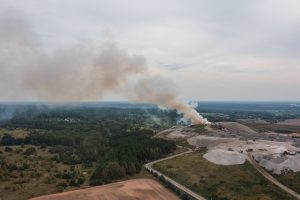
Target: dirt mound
(278, 164)
(223, 157)
(238, 128)
(147, 189)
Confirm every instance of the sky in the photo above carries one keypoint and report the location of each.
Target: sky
(210, 49)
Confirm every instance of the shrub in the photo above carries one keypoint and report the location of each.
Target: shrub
(61, 186)
(50, 180)
(74, 183)
(113, 171)
(24, 166)
(80, 180)
(8, 149)
(30, 151)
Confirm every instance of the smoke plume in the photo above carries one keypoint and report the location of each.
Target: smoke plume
(80, 72)
(160, 91)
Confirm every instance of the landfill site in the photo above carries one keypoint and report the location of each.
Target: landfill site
(230, 143)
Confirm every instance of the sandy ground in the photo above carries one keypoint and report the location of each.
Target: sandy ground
(176, 132)
(237, 128)
(291, 122)
(177, 135)
(209, 142)
(137, 189)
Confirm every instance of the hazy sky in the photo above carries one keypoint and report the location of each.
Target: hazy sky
(212, 49)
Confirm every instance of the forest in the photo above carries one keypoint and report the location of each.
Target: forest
(108, 143)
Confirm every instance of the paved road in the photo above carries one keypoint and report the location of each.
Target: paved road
(271, 178)
(188, 191)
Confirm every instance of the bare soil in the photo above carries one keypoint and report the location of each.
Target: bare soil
(292, 122)
(146, 189)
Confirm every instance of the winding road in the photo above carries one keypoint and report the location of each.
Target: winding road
(148, 166)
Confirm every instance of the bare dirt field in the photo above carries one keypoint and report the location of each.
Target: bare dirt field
(237, 128)
(292, 122)
(207, 141)
(146, 189)
(175, 133)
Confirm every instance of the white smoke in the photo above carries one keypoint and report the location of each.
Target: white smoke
(78, 72)
(160, 91)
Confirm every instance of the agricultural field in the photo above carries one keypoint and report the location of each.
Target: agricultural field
(217, 181)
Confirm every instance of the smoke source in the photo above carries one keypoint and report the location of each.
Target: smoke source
(160, 91)
(78, 73)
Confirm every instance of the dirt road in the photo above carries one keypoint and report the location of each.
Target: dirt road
(271, 178)
(181, 187)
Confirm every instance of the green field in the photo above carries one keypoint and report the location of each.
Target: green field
(291, 180)
(220, 182)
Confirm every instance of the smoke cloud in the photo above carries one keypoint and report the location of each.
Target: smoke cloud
(160, 91)
(77, 73)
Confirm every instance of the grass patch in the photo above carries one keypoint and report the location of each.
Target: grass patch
(16, 133)
(291, 180)
(220, 182)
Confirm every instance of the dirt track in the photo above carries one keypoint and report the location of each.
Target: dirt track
(137, 189)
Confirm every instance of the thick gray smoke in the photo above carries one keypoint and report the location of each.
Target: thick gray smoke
(29, 72)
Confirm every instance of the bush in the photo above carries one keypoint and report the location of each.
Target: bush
(74, 183)
(80, 180)
(17, 151)
(61, 186)
(113, 171)
(95, 182)
(12, 167)
(185, 196)
(50, 180)
(30, 151)
(8, 149)
(24, 166)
